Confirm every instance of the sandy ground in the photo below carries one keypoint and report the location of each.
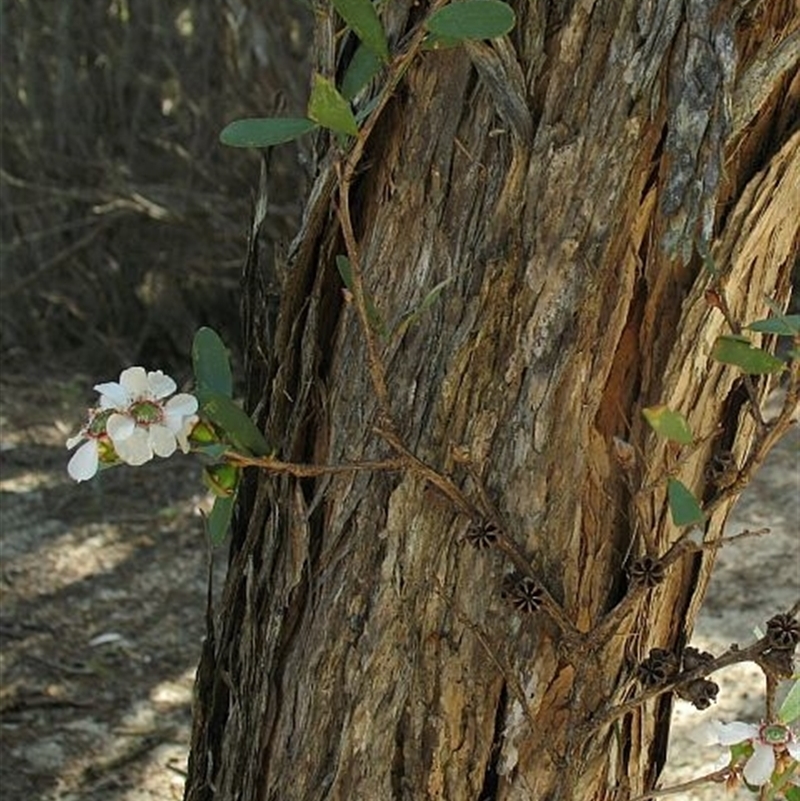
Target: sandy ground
(103, 590)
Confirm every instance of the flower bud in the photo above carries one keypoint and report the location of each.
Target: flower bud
(203, 434)
(221, 479)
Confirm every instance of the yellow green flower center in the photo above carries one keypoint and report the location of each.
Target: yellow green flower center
(146, 413)
(774, 734)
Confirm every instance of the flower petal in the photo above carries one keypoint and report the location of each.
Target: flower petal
(83, 464)
(186, 429)
(715, 732)
(79, 437)
(178, 410)
(134, 379)
(183, 403)
(735, 732)
(794, 749)
(760, 766)
(136, 449)
(162, 441)
(120, 427)
(113, 395)
(160, 385)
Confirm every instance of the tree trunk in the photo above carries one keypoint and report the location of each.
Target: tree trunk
(570, 182)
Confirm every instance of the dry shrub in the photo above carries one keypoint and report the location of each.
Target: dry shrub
(124, 221)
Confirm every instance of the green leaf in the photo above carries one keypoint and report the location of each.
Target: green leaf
(375, 319)
(265, 131)
(219, 521)
(472, 19)
(212, 367)
(363, 67)
(235, 425)
(212, 452)
(683, 505)
(785, 325)
(327, 107)
(740, 352)
(434, 42)
(790, 708)
(668, 424)
(361, 16)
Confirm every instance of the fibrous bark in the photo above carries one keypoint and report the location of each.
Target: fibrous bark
(571, 183)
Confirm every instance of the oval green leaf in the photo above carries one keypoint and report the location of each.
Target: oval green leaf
(790, 708)
(235, 425)
(434, 42)
(265, 131)
(363, 67)
(219, 521)
(361, 16)
(472, 19)
(683, 505)
(785, 325)
(327, 107)
(740, 352)
(212, 366)
(668, 424)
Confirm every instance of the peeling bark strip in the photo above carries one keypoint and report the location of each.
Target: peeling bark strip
(363, 649)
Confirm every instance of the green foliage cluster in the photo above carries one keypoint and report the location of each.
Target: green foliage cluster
(214, 391)
(329, 106)
(736, 350)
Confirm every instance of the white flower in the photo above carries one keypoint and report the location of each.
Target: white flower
(144, 424)
(766, 740)
(136, 420)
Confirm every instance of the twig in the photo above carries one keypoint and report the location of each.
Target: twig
(717, 776)
(766, 439)
(732, 656)
(416, 465)
(375, 363)
(504, 543)
(272, 465)
(345, 174)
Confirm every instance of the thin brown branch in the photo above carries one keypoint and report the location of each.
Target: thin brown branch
(716, 776)
(504, 543)
(345, 174)
(272, 465)
(766, 439)
(377, 369)
(417, 466)
(732, 656)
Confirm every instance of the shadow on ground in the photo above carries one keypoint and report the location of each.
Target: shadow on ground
(103, 589)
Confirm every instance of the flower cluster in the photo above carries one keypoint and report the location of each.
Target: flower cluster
(136, 418)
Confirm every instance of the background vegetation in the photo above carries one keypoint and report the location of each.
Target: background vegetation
(123, 219)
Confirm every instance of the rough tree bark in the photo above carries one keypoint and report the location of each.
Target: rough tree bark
(568, 182)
